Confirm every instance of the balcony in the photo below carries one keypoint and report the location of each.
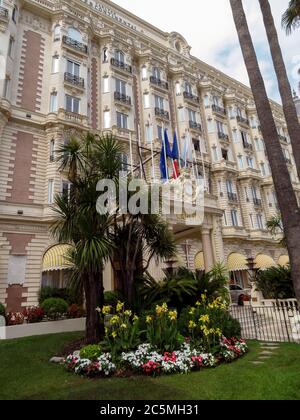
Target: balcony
(120, 97)
(223, 136)
(158, 82)
(121, 65)
(161, 113)
(3, 14)
(190, 97)
(257, 202)
(242, 120)
(232, 197)
(247, 146)
(195, 126)
(74, 80)
(219, 109)
(75, 45)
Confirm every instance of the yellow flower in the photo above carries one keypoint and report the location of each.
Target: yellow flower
(120, 306)
(198, 303)
(106, 330)
(114, 320)
(106, 310)
(124, 326)
(135, 318)
(149, 319)
(114, 334)
(204, 318)
(192, 325)
(128, 313)
(218, 332)
(161, 309)
(203, 297)
(173, 315)
(192, 311)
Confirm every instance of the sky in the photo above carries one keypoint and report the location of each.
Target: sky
(208, 27)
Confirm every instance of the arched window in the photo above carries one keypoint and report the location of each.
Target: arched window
(156, 73)
(119, 56)
(56, 33)
(74, 34)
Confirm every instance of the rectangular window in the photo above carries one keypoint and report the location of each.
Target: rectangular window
(225, 219)
(53, 102)
(234, 218)
(159, 132)
(106, 119)
(215, 154)
(229, 186)
(11, 46)
(148, 134)
(121, 87)
(251, 221)
(220, 127)
(55, 64)
(241, 162)
(122, 120)
(50, 191)
(260, 223)
(66, 189)
(73, 68)
(235, 136)
(146, 100)
(192, 115)
(6, 87)
(159, 102)
(250, 162)
(254, 192)
(51, 151)
(210, 126)
(72, 104)
(263, 169)
(206, 101)
(106, 84)
(144, 73)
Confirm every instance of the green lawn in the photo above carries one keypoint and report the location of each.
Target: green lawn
(25, 373)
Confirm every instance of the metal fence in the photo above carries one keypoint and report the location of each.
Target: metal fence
(274, 323)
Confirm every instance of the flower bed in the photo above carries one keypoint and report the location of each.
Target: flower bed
(158, 343)
(146, 360)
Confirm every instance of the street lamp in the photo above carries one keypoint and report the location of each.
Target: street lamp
(252, 270)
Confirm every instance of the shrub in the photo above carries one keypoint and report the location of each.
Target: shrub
(111, 298)
(276, 283)
(14, 318)
(75, 311)
(54, 308)
(33, 315)
(66, 294)
(91, 352)
(2, 310)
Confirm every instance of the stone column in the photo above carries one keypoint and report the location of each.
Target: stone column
(207, 249)
(218, 244)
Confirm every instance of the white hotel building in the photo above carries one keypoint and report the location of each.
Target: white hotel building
(90, 65)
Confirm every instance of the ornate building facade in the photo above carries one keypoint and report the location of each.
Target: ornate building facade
(90, 65)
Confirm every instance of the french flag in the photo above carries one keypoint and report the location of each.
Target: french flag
(175, 157)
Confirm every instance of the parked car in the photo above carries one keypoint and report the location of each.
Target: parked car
(239, 295)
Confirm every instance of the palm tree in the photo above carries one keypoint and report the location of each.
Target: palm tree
(274, 226)
(78, 223)
(288, 103)
(286, 196)
(291, 17)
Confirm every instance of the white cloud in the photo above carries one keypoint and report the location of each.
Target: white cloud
(209, 28)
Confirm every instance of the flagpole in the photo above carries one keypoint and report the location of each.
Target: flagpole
(152, 151)
(131, 154)
(165, 152)
(140, 147)
(186, 146)
(179, 150)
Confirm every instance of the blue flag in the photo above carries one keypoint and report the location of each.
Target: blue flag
(175, 151)
(165, 154)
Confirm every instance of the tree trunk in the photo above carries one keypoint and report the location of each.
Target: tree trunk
(286, 196)
(94, 295)
(285, 90)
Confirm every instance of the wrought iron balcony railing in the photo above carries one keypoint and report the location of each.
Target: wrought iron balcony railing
(247, 146)
(257, 202)
(158, 82)
(195, 126)
(122, 98)
(223, 136)
(191, 97)
(121, 65)
(162, 113)
(3, 13)
(219, 109)
(74, 80)
(232, 197)
(242, 120)
(79, 46)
